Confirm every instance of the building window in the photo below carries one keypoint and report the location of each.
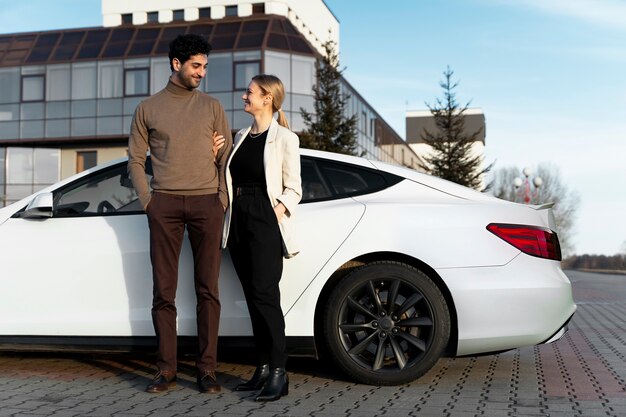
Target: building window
(29, 170)
(58, 82)
(46, 162)
(303, 69)
(258, 8)
(86, 160)
(19, 181)
(84, 81)
(205, 13)
(33, 87)
(111, 81)
(136, 82)
(19, 166)
(9, 85)
(127, 19)
(153, 17)
(244, 71)
(179, 15)
(219, 73)
(231, 11)
(2, 179)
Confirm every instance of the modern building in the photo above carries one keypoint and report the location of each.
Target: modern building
(67, 96)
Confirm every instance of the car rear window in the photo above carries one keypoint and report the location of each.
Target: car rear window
(327, 180)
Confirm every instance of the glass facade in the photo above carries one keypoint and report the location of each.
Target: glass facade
(27, 170)
(9, 85)
(136, 82)
(3, 165)
(33, 87)
(93, 95)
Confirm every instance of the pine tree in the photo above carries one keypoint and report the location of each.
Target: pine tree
(328, 129)
(452, 158)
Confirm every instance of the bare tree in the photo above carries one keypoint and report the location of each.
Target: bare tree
(502, 183)
(552, 190)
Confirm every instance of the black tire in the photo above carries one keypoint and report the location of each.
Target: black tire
(386, 323)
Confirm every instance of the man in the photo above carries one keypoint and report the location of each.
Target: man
(188, 189)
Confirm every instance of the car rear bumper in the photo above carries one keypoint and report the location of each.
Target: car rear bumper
(559, 333)
(523, 303)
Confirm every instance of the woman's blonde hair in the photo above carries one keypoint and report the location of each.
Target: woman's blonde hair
(270, 84)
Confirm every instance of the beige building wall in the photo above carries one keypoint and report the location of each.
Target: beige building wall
(69, 162)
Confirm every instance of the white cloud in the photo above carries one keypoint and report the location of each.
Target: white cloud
(599, 12)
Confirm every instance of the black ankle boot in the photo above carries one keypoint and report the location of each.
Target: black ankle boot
(258, 379)
(276, 386)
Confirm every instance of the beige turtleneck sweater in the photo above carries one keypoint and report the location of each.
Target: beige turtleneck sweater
(177, 125)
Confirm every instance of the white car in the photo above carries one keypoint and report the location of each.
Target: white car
(397, 269)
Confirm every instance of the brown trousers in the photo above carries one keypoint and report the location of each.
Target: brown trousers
(168, 214)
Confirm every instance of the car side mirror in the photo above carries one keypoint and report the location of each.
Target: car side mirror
(40, 206)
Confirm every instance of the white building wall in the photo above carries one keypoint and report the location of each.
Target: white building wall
(311, 17)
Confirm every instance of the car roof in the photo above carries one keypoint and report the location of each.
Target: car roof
(408, 173)
(430, 181)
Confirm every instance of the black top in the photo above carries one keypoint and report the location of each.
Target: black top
(246, 167)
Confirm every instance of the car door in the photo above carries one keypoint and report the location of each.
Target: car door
(85, 271)
(327, 216)
(323, 223)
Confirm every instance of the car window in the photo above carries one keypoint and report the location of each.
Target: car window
(313, 185)
(105, 193)
(325, 180)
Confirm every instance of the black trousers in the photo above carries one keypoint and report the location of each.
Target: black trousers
(255, 246)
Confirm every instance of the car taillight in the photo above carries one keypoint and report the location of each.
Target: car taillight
(533, 240)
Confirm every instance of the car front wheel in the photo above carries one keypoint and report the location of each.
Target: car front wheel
(386, 323)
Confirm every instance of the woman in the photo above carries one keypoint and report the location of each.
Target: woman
(264, 188)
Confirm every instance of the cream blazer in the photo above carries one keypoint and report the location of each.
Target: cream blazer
(281, 161)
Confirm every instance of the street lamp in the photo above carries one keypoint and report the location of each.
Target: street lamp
(523, 187)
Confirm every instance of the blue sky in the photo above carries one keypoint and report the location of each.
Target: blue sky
(550, 76)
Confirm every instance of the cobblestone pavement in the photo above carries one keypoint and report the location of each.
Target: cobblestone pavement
(581, 375)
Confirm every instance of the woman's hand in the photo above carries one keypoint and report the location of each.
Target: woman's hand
(279, 211)
(218, 142)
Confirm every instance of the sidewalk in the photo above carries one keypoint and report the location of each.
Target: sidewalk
(583, 374)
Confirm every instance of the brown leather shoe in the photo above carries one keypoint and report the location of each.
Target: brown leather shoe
(162, 381)
(207, 382)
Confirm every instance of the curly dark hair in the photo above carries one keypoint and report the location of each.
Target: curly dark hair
(184, 47)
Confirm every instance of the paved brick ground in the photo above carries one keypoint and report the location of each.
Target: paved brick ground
(581, 375)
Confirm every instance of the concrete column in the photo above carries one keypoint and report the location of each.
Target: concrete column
(140, 18)
(276, 7)
(244, 9)
(192, 13)
(166, 16)
(218, 12)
